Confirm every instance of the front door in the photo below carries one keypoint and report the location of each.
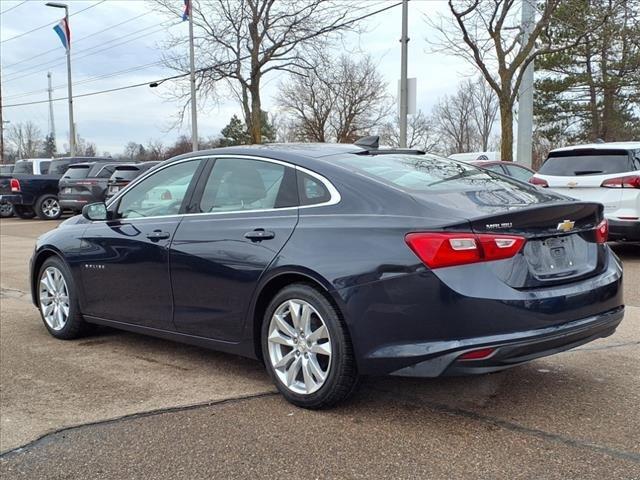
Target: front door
(246, 212)
(125, 260)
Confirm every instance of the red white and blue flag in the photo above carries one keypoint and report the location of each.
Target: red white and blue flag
(63, 31)
(187, 10)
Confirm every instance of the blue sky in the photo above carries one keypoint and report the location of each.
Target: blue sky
(123, 35)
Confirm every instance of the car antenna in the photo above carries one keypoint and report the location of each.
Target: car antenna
(369, 143)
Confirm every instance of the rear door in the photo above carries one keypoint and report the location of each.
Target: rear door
(243, 213)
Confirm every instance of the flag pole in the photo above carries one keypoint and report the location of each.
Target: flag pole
(194, 111)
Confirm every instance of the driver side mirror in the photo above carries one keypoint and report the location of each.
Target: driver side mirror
(95, 211)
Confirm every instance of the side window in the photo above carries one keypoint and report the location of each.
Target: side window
(106, 171)
(44, 167)
(236, 184)
(160, 194)
(519, 172)
(495, 168)
(312, 191)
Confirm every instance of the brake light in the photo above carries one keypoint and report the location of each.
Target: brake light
(15, 185)
(539, 182)
(630, 181)
(166, 195)
(479, 354)
(440, 249)
(602, 231)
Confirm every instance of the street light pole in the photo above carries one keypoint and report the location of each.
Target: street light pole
(194, 110)
(404, 40)
(72, 128)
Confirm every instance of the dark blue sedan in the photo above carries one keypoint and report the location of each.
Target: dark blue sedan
(328, 262)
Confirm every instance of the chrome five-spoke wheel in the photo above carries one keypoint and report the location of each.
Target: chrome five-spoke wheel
(299, 346)
(54, 298)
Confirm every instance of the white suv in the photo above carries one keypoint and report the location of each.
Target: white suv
(608, 173)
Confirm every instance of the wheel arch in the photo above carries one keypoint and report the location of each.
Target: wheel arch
(39, 258)
(271, 285)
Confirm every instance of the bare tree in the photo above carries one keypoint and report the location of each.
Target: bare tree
(240, 41)
(484, 112)
(26, 138)
(341, 101)
(155, 150)
(454, 118)
(492, 41)
(421, 133)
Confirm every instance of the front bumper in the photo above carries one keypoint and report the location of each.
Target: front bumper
(510, 349)
(624, 230)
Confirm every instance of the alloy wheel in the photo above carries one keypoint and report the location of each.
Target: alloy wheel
(299, 346)
(51, 207)
(54, 298)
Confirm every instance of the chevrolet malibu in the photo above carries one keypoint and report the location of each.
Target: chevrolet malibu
(329, 262)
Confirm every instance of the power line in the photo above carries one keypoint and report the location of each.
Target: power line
(200, 70)
(15, 6)
(77, 40)
(50, 24)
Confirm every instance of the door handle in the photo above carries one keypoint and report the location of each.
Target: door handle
(259, 234)
(158, 235)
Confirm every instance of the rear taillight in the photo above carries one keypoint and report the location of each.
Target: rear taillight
(630, 181)
(15, 185)
(602, 231)
(539, 182)
(448, 249)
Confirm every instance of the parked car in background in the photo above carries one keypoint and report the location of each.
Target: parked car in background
(511, 169)
(328, 262)
(6, 209)
(476, 156)
(31, 166)
(84, 183)
(34, 194)
(607, 173)
(124, 174)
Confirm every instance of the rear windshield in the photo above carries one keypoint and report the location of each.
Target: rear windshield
(77, 171)
(23, 167)
(570, 164)
(125, 173)
(421, 173)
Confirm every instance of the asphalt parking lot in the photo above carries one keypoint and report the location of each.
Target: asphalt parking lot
(120, 405)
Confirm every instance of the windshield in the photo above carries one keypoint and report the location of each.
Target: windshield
(571, 164)
(419, 173)
(77, 171)
(23, 167)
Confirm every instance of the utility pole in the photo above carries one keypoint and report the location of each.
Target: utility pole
(52, 124)
(1, 124)
(72, 129)
(525, 93)
(194, 108)
(404, 40)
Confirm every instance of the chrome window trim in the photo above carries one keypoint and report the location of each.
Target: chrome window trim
(333, 191)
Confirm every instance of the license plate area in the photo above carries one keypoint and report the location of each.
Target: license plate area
(560, 257)
(67, 190)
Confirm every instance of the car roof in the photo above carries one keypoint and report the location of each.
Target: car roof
(308, 150)
(484, 163)
(601, 146)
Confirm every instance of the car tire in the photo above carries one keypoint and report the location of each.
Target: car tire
(311, 370)
(24, 211)
(6, 210)
(61, 318)
(48, 207)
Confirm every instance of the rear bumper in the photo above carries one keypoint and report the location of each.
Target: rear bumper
(624, 230)
(73, 204)
(16, 199)
(511, 349)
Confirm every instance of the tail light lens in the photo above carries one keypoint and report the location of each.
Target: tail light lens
(166, 195)
(438, 250)
(630, 181)
(539, 182)
(15, 185)
(602, 231)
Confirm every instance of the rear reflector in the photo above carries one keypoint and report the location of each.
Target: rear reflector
(438, 249)
(479, 354)
(538, 181)
(630, 181)
(15, 185)
(602, 231)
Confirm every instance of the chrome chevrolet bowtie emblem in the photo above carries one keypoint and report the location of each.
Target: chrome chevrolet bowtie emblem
(566, 225)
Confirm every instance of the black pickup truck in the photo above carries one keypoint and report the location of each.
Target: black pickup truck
(33, 195)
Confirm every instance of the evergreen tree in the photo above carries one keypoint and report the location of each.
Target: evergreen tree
(49, 149)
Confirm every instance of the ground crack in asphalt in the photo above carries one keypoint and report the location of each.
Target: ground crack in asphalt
(150, 413)
(511, 426)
